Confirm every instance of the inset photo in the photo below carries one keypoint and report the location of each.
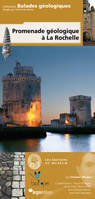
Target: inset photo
(12, 175)
(89, 22)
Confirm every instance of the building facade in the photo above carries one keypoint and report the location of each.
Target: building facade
(88, 21)
(55, 123)
(22, 96)
(67, 119)
(81, 106)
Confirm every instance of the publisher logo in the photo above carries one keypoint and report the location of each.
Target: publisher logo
(35, 179)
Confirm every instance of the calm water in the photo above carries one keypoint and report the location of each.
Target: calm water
(52, 143)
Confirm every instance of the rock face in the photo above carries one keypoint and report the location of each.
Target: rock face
(12, 175)
(6, 50)
(22, 97)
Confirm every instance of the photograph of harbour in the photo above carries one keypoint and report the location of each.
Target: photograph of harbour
(47, 99)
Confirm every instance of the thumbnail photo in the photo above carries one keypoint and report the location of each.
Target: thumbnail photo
(89, 22)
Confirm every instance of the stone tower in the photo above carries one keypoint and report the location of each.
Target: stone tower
(81, 106)
(22, 96)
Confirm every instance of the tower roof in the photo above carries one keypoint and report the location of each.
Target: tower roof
(80, 97)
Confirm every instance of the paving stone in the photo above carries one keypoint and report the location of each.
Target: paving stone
(15, 172)
(9, 178)
(14, 198)
(23, 178)
(8, 184)
(15, 184)
(4, 197)
(2, 182)
(17, 178)
(0, 194)
(9, 173)
(16, 163)
(10, 164)
(17, 192)
(22, 163)
(17, 167)
(2, 172)
(4, 189)
(6, 168)
(22, 172)
(4, 164)
(9, 191)
(4, 176)
(22, 184)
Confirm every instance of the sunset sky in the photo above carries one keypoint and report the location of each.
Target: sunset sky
(65, 71)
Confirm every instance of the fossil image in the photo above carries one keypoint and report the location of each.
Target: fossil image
(6, 50)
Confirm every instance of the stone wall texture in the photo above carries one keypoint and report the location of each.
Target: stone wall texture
(12, 175)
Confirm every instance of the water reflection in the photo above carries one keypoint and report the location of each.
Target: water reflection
(52, 143)
(33, 144)
(20, 145)
(55, 142)
(92, 143)
(80, 143)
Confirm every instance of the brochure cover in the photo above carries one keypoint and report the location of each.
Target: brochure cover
(47, 106)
